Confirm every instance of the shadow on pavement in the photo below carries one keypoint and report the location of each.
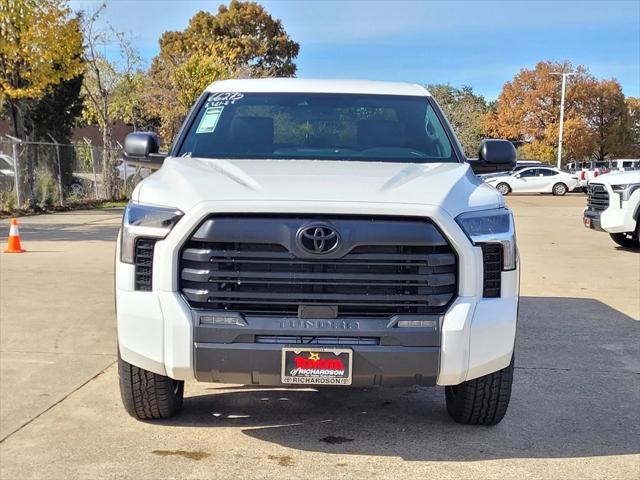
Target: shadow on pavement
(576, 394)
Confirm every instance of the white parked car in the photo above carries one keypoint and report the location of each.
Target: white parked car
(535, 180)
(613, 206)
(520, 165)
(7, 173)
(317, 232)
(7, 166)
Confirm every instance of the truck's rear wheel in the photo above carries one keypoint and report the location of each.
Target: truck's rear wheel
(483, 400)
(147, 395)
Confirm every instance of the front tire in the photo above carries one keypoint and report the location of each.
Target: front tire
(483, 400)
(503, 188)
(560, 189)
(147, 395)
(629, 239)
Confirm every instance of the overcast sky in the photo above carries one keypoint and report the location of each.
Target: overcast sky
(471, 42)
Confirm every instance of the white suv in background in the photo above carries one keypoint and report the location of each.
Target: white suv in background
(587, 171)
(317, 232)
(613, 206)
(534, 180)
(625, 164)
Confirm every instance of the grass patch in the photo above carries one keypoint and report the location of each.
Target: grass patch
(70, 205)
(112, 204)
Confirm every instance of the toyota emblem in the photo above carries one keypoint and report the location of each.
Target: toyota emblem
(318, 239)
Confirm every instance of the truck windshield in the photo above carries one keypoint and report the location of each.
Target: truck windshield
(385, 128)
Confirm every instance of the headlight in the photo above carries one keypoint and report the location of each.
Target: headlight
(492, 226)
(144, 221)
(625, 191)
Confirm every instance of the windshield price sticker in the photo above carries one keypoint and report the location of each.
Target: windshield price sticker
(223, 99)
(209, 120)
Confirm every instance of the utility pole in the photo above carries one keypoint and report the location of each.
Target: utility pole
(564, 86)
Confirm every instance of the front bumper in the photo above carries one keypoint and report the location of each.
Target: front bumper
(591, 219)
(157, 330)
(612, 220)
(475, 337)
(383, 354)
(257, 364)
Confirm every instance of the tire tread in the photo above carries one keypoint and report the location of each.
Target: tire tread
(147, 395)
(481, 401)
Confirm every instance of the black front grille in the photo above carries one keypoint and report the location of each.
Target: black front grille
(597, 197)
(269, 279)
(492, 263)
(144, 263)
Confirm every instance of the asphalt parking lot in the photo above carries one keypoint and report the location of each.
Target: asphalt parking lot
(575, 410)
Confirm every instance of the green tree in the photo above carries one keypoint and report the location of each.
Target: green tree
(606, 114)
(241, 34)
(130, 102)
(55, 115)
(465, 111)
(39, 50)
(240, 40)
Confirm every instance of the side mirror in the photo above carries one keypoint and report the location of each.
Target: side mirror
(494, 156)
(141, 149)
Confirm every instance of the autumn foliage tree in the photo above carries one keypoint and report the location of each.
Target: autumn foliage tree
(633, 109)
(240, 40)
(40, 46)
(528, 108)
(595, 120)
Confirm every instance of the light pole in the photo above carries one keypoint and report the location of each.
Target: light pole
(564, 85)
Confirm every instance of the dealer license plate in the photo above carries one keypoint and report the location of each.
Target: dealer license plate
(320, 366)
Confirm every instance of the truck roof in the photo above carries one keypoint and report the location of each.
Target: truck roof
(301, 85)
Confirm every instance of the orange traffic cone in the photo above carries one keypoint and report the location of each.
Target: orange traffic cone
(13, 242)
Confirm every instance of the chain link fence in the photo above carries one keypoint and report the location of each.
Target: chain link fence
(48, 174)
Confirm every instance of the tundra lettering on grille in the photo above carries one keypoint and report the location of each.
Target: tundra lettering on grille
(377, 267)
(319, 324)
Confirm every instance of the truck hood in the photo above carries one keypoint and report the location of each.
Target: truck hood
(184, 182)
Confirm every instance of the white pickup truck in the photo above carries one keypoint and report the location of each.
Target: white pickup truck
(613, 206)
(317, 232)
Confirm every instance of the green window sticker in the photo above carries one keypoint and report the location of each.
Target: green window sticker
(209, 120)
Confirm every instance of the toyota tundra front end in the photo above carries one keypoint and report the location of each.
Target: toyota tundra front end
(305, 232)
